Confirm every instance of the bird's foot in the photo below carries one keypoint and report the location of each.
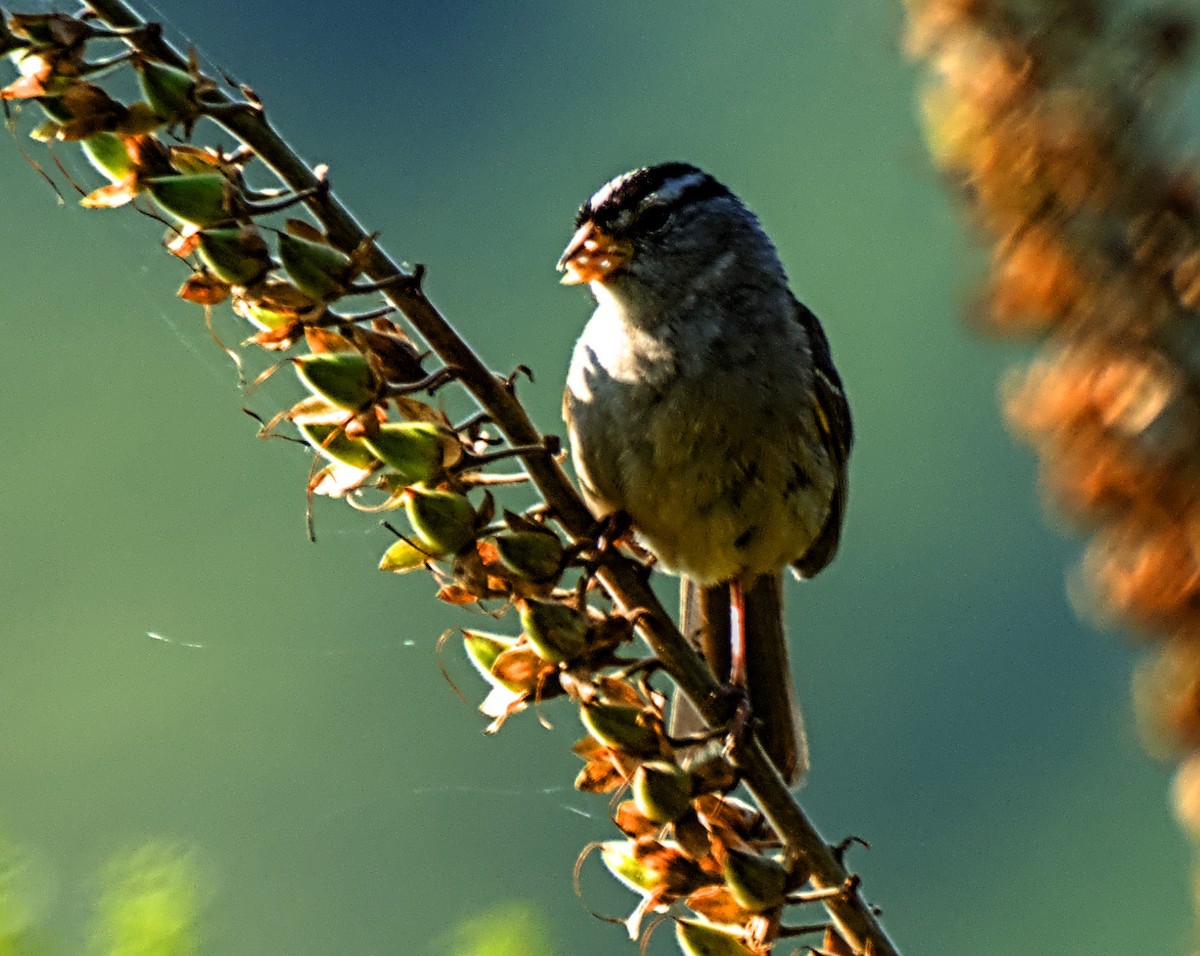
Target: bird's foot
(611, 530)
(735, 701)
(608, 534)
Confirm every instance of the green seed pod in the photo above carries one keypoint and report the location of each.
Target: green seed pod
(483, 649)
(533, 555)
(275, 303)
(339, 447)
(758, 883)
(107, 152)
(262, 318)
(317, 268)
(412, 449)
(343, 379)
(238, 256)
(653, 866)
(199, 199)
(620, 727)
(704, 939)
(403, 556)
(444, 521)
(662, 791)
(621, 860)
(169, 90)
(55, 108)
(556, 631)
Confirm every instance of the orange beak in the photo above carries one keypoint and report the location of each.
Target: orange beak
(592, 255)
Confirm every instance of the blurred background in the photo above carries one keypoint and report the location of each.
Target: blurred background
(184, 676)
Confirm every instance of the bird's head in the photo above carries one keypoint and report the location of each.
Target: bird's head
(655, 232)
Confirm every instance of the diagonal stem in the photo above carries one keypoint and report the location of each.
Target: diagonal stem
(854, 919)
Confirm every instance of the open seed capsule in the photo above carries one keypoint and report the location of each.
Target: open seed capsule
(703, 939)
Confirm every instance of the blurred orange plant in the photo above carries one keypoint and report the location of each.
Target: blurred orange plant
(1045, 117)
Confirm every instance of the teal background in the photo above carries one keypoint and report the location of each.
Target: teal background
(333, 793)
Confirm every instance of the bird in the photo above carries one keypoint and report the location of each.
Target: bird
(702, 403)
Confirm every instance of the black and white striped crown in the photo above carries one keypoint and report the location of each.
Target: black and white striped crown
(668, 184)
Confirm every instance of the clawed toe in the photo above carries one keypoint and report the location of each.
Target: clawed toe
(737, 732)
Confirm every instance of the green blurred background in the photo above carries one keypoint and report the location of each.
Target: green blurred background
(292, 737)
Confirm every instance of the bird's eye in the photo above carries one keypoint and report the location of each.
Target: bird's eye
(654, 219)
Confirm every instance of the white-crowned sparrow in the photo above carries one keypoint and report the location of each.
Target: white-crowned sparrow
(703, 402)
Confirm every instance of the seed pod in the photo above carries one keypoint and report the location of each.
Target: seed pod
(532, 555)
(108, 154)
(317, 268)
(343, 379)
(275, 303)
(55, 108)
(662, 791)
(404, 556)
(201, 199)
(266, 320)
(693, 836)
(238, 256)
(483, 649)
(169, 90)
(519, 670)
(444, 521)
(394, 354)
(652, 866)
(620, 727)
(758, 883)
(8, 42)
(504, 662)
(622, 861)
(556, 631)
(49, 29)
(704, 939)
(412, 449)
(333, 443)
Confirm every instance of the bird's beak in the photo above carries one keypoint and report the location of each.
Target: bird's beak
(592, 255)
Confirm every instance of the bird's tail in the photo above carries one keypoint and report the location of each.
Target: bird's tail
(704, 618)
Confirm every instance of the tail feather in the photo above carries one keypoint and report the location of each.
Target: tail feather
(704, 619)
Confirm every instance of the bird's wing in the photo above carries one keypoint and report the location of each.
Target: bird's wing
(837, 433)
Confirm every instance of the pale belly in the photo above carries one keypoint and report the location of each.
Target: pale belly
(722, 473)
